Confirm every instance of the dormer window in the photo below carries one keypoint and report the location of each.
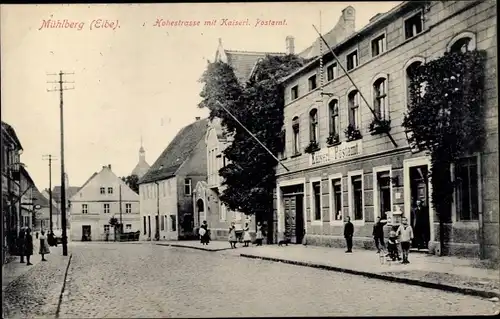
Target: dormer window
(312, 83)
(294, 92)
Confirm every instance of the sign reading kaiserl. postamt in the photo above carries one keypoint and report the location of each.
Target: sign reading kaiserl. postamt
(336, 153)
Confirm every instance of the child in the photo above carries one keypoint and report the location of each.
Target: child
(392, 246)
(405, 233)
(232, 236)
(246, 235)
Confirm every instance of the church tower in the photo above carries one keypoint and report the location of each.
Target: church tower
(142, 167)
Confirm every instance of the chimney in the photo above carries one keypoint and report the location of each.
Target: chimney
(290, 45)
(349, 17)
(197, 118)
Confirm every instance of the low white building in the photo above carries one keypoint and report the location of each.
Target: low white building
(102, 197)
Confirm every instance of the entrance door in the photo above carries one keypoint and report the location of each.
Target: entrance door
(419, 218)
(86, 233)
(294, 218)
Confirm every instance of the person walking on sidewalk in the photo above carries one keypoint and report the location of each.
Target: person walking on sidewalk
(348, 233)
(28, 250)
(405, 233)
(246, 235)
(44, 246)
(378, 235)
(21, 244)
(204, 234)
(258, 235)
(232, 236)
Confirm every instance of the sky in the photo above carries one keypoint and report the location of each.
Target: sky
(133, 80)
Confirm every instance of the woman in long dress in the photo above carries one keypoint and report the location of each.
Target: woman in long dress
(246, 235)
(44, 246)
(205, 236)
(258, 236)
(232, 236)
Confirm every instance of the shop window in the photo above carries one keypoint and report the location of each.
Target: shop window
(466, 175)
(337, 199)
(173, 221)
(357, 197)
(384, 194)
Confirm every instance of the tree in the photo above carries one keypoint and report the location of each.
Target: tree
(250, 176)
(132, 182)
(115, 223)
(445, 118)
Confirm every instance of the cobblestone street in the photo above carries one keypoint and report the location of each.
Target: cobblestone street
(143, 280)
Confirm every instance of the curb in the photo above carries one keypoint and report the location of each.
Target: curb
(409, 281)
(63, 287)
(194, 247)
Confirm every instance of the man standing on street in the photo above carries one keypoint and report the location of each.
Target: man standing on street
(348, 233)
(405, 233)
(378, 235)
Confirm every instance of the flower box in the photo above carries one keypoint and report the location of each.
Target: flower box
(352, 133)
(379, 127)
(312, 147)
(333, 139)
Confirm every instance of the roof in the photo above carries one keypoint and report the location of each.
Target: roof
(25, 173)
(243, 62)
(42, 200)
(177, 152)
(56, 192)
(88, 180)
(12, 133)
(141, 168)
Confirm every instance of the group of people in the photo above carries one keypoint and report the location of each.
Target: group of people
(204, 233)
(233, 238)
(403, 235)
(25, 245)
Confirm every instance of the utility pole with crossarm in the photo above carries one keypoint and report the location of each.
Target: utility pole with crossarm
(60, 89)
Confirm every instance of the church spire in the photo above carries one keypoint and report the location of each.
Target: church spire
(142, 152)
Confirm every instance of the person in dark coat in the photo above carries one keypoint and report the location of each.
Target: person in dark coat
(378, 235)
(28, 247)
(420, 225)
(21, 244)
(205, 237)
(348, 233)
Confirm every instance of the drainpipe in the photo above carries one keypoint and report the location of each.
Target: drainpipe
(482, 252)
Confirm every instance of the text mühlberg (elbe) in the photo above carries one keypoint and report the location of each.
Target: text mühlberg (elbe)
(79, 25)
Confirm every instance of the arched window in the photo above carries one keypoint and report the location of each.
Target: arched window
(314, 128)
(381, 105)
(463, 42)
(354, 117)
(296, 135)
(410, 70)
(333, 110)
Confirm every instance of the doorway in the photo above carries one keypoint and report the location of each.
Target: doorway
(86, 233)
(293, 204)
(419, 216)
(201, 211)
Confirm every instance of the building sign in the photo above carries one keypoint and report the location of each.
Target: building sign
(336, 153)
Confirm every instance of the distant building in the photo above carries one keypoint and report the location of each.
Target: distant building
(142, 166)
(102, 197)
(28, 200)
(56, 196)
(42, 220)
(166, 190)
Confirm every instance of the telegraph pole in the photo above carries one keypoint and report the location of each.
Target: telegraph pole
(63, 181)
(50, 159)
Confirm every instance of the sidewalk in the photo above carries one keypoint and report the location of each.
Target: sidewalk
(446, 273)
(195, 244)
